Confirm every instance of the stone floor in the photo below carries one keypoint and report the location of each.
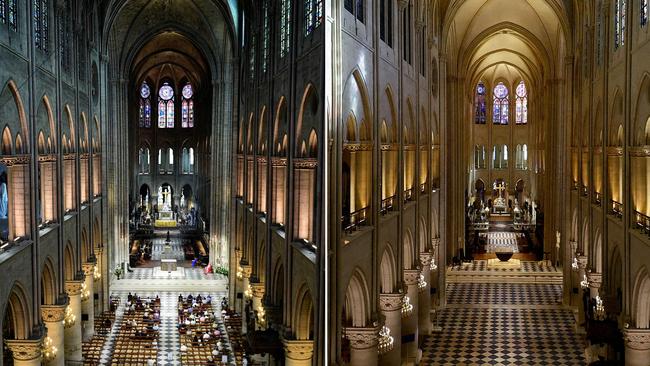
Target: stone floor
(504, 324)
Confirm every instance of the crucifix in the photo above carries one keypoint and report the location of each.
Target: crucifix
(500, 188)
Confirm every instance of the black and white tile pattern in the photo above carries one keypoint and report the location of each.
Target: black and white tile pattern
(503, 293)
(526, 266)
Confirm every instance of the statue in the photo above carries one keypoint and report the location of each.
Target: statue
(557, 237)
(183, 200)
(160, 197)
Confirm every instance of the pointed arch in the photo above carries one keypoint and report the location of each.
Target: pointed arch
(20, 108)
(304, 320)
(641, 299)
(48, 282)
(50, 118)
(387, 270)
(72, 141)
(7, 142)
(17, 311)
(356, 308)
(313, 144)
(393, 114)
(308, 112)
(408, 255)
(69, 262)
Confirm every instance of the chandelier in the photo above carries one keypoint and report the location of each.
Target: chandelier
(585, 282)
(599, 309)
(434, 266)
(240, 272)
(407, 308)
(96, 274)
(422, 284)
(574, 265)
(261, 315)
(48, 350)
(385, 340)
(248, 292)
(85, 294)
(69, 318)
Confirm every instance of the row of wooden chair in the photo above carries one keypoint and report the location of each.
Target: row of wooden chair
(92, 350)
(137, 345)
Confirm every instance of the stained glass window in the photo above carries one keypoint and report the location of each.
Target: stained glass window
(386, 22)
(619, 23)
(40, 10)
(166, 106)
(480, 113)
(644, 13)
(266, 31)
(187, 107)
(65, 36)
(285, 27)
(251, 58)
(145, 106)
(500, 107)
(522, 104)
(313, 15)
(9, 13)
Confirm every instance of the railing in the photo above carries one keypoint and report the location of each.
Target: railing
(598, 197)
(642, 222)
(408, 194)
(355, 219)
(617, 209)
(387, 205)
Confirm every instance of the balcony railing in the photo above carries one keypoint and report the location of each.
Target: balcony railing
(387, 204)
(355, 219)
(598, 197)
(408, 194)
(617, 209)
(642, 222)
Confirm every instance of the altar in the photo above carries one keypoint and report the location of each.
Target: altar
(165, 214)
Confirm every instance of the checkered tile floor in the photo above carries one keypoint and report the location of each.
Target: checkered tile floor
(168, 343)
(188, 273)
(503, 293)
(526, 266)
(504, 337)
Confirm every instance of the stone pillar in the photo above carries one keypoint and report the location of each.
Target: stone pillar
(595, 280)
(424, 301)
(258, 294)
(410, 323)
(246, 275)
(582, 266)
(88, 304)
(637, 346)
(73, 332)
(363, 346)
(298, 353)
(26, 352)
(53, 318)
(391, 307)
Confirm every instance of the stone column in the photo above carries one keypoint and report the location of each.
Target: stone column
(410, 323)
(73, 332)
(582, 266)
(595, 280)
(53, 318)
(87, 305)
(258, 293)
(424, 301)
(637, 346)
(246, 275)
(298, 353)
(363, 346)
(391, 307)
(26, 352)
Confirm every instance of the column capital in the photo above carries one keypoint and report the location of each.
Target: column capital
(582, 261)
(88, 268)
(402, 4)
(362, 338)
(637, 338)
(435, 243)
(299, 350)
(425, 259)
(53, 313)
(73, 287)
(595, 279)
(25, 349)
(246, 270)
(258, 289)
(391, 302)
(411, 276)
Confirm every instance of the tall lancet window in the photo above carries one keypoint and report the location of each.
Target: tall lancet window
(480, 114)
(187, 107)
(166, 106)
(522, 104)
(285, 27)
(9, 13)
(144, 114)
(266, 33)
(40, 10)
(500, 106)
(644, 13)
(619, 23)
(313, 15)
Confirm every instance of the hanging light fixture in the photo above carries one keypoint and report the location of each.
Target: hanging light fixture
(48, 350)
(69, 318)
(385, 341)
